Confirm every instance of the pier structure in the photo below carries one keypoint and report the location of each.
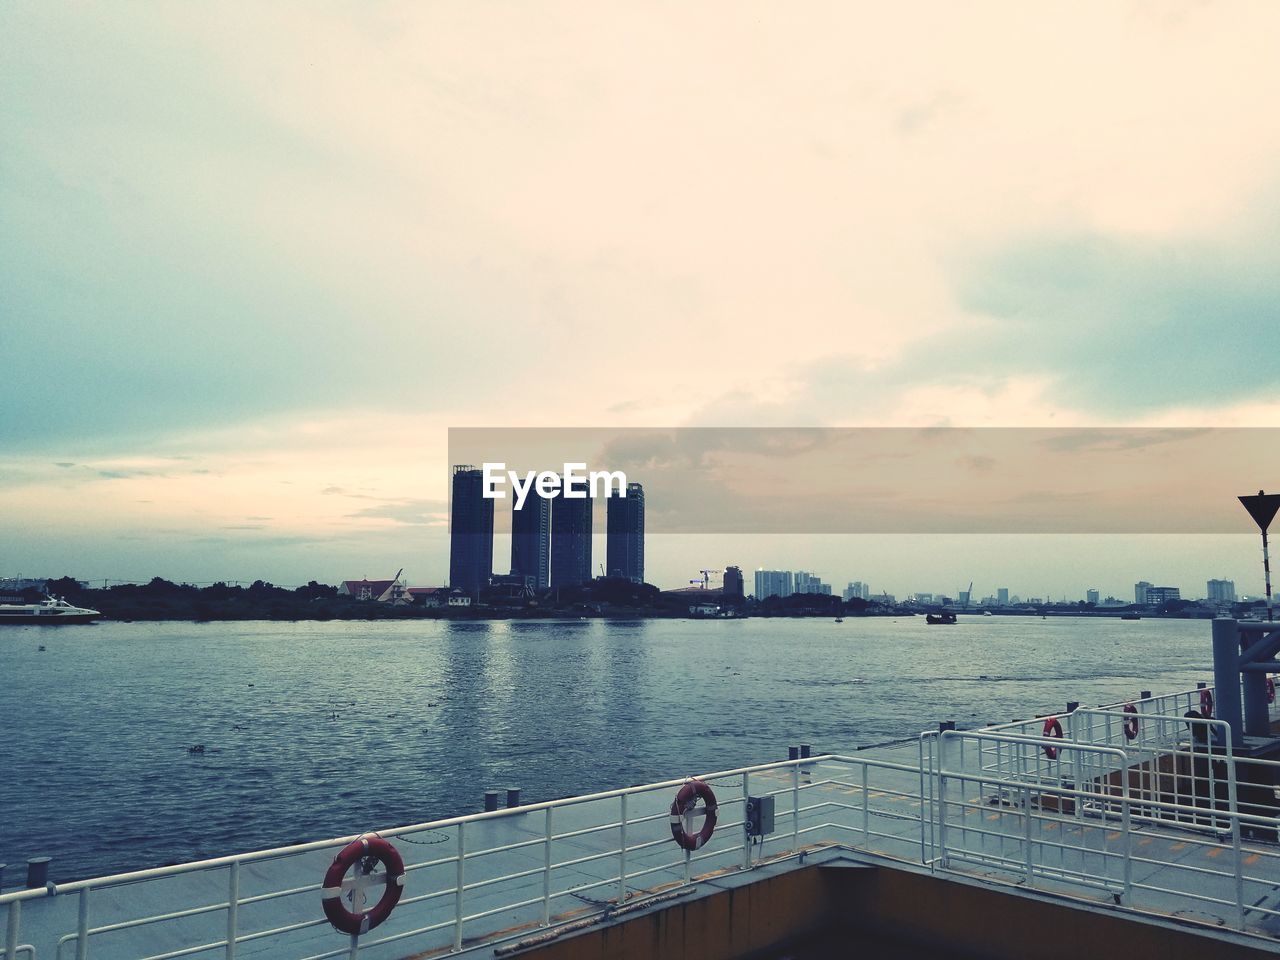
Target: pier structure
(1144, 825)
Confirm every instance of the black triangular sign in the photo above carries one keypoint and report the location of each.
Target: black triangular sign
(1262, 508)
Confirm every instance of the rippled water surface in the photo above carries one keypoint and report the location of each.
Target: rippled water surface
(324, 729)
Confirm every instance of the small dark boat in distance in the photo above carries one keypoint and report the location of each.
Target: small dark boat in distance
(1130, 616)
(945, 616)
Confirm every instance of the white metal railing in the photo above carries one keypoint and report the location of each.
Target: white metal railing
(1151, 807)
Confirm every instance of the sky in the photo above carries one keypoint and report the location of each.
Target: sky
(257, 259)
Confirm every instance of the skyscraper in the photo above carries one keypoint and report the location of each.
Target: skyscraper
(1222, 591)
(1140, 592)
(531, 541)
(624, 523)
(1002, 596)
(470, 532)
(570, 539)
(773, 583)
(733, 582)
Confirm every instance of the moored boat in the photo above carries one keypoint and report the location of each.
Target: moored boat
(946, 616)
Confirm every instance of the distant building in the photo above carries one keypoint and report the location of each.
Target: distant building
(773, 583)
(366, 589)
(1221, 591)
(1002, 596)
(570, 539)
(806, 582)
(1091, 596)
(733, 585)
(624, 525)
(531, 541)
(1159, 596)
(856, 590)
(922, 597)
(470, 532)
(1140, 592)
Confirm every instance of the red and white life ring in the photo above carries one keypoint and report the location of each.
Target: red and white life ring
(1271, 690)
(1206, 703)
(682, 811)
(1131, 721)
(1052, 729)
(364, 854)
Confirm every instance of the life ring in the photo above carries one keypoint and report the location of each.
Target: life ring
(1130, 722)
(1271, 690)
(686, 799)
(1206, 703)
(1052, 729)
(364, 854)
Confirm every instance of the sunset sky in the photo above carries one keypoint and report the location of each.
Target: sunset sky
(256, 259)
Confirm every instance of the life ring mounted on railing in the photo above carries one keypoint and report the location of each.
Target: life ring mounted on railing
(1206, 703)
(365, 854)
(685, 808)
(1130, 722)
(1053, 731)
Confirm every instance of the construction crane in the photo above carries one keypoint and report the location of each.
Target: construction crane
(706, 578)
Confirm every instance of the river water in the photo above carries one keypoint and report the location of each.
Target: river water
(314, 730)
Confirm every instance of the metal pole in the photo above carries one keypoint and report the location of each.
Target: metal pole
(457, 893)
(82, 927)
(546, 874)
(622, 853)
(233, 905)
(11, 935)
(1266, 572)
(795, 807)
(746, 834)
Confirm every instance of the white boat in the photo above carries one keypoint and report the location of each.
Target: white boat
(50, 611)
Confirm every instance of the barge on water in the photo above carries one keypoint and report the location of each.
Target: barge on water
(1139, 828)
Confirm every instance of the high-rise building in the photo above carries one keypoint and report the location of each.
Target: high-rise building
(1222, 591)
(624, 524)
(733, 585)
(1091, 596)
(1159, 596)
(470, 532)
(531, 541)
(1140, 592)
(773, 583)
(571, 538)
(1002, 596)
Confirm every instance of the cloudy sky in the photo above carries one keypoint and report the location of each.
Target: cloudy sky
(256, 259)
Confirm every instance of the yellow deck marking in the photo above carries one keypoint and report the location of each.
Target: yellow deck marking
(1176, 847)
(1213, 853)
(1144, 841)
(1049, 826)
(993, 816)
(1251, 859)
(1114, 835)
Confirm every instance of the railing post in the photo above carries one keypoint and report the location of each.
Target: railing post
(866, 816)
(1237, 853)
(233, 907)
(746, 834)
(795, 807)
(1125, 831)
(622, 852)
(82, 927)
(546, 874)
(11, 934)
(1026, 835)
(941, 852)
(457, 893)
(354, 950)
